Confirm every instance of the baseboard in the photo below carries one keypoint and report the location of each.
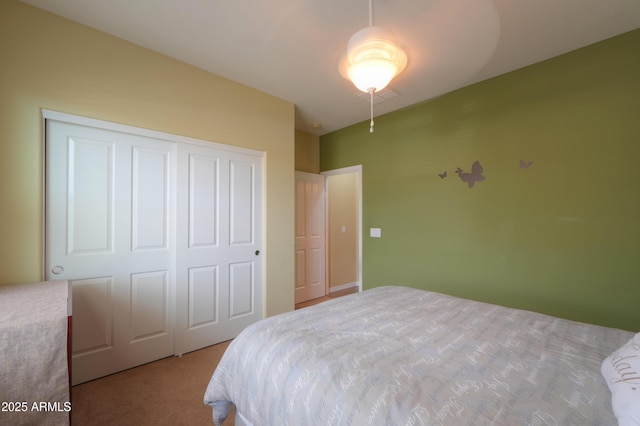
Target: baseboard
(342, 287)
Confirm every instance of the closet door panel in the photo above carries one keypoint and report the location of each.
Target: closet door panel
(241, 198)
(150, 192)
(222, 192)
(89, 196)
(149, 305)
(203, 296)
(202, 187)
(109, 232)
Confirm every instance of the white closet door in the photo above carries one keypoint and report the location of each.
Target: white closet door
(161, 238)
(219, 259)
(109, 230)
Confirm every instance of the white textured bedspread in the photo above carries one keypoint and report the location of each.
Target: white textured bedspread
(34, 381)
(401, 356)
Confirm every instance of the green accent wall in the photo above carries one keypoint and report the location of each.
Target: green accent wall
(561, 237)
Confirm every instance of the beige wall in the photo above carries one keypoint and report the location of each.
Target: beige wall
(52, 63)
(343, 246)
(307, 152)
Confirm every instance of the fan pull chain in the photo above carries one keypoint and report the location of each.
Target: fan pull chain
(371, 90)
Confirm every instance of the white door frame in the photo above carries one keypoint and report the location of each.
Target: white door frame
(139, 131)
(345, 170)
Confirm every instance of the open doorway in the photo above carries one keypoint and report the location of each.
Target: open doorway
(344, 229)
(328, 237)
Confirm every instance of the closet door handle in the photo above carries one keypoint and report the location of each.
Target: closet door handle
(257, 252)
(57, 270)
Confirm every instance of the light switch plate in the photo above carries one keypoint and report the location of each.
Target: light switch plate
(375, 232)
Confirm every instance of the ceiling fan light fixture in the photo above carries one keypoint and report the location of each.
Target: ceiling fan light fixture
(373, 59)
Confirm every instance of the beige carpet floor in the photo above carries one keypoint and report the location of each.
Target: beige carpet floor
(164, 392)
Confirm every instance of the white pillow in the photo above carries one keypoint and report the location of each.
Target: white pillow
(621, 370)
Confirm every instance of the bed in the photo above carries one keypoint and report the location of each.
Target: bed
(401, 356)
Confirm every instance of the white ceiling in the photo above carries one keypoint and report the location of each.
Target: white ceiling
(291, 48)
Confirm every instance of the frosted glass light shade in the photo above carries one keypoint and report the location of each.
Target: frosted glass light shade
(372, 59)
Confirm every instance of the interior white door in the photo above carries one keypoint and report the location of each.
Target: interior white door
(109, 231)
(219, 259)
(310, 237)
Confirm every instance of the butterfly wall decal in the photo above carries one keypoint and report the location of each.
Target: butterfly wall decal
(474, 176)
(525, 165)
(443, 175)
